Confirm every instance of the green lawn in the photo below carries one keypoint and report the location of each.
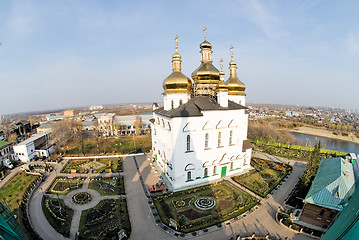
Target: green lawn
(95, 165)
(120, 145)
(105, 220)
(180, 206)
(264, 177)
(108, 186)
(12, 192)
(115, 166)
(58, 215)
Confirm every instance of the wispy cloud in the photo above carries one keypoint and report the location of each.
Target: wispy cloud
(262, 15)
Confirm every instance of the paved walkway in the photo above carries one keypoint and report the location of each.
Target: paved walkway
(261, 221)
(37, 217)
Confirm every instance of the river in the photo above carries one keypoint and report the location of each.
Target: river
(329, 143)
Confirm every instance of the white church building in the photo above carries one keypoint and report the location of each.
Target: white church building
(200, 135)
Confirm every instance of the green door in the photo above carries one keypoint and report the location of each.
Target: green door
(224, 171)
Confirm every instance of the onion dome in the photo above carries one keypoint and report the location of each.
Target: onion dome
(235, 86)
(177, 82)
(206, 72)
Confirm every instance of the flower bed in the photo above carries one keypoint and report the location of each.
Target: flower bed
(105, 220)
(63, 185)
(58, 215)
(82, 198)
(265, 176)
(108, 186)
(215, 203)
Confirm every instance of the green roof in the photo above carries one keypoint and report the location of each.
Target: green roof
(6, 231)
(346, 225)
(4, 144)
(330, 185)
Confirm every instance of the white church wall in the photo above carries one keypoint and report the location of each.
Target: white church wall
(201, 158)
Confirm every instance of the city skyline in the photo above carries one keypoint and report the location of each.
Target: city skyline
(62, 54)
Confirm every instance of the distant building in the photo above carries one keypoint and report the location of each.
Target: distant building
(334, 179)
(105, 124)
(98, 107)
(6, 153)
(69, 113)
(125, 125)
(54, 117)
(43, 128)
(89, 124)
(36, 146)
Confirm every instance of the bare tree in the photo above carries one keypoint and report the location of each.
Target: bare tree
(138, 125)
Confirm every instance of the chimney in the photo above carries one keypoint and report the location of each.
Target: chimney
(346, 174)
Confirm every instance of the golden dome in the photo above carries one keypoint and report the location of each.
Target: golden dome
(235, 86)
(176, 55)
(177, 82)
(222, 87)
(205, 44)
(206, 73)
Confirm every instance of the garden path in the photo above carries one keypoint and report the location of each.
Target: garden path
(37, 217)
(230, 180)
(260, 221)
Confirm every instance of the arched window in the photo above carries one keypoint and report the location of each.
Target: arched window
(231, 166)
(230, 137)
(214, 170)
(219, 139)
(180, 102)
(206, 172)
(189, 175)
(172, 105)
(188, 143)
(206, 141)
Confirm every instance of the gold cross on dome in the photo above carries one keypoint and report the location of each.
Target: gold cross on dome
(231, 52)
(176, 42)
(205, 33)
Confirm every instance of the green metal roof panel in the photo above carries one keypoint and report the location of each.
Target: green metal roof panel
(330, 185)
(346, 224)
(4, 144)
(6, 231)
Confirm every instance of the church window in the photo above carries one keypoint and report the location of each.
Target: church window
(214, 170)
(231, 166)
(230, 137)
(189, 175)
(219, 139)
(180, 102)
(206, 172)
(188, 143)
(206, 141)
(172, 105)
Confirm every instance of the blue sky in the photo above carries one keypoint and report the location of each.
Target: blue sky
(63, 54)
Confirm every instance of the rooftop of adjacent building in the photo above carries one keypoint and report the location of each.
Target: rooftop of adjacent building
(4, 144)
(335, 177)
(32, 138)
